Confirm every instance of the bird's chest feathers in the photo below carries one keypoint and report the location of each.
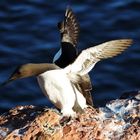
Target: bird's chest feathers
(56, 85)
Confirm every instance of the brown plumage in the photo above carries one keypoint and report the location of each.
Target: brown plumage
(69, 28)
(85, 88)
(87, 60)
(89, 57)
(28, 70)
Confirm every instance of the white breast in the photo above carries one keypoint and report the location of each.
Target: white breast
(57, 87)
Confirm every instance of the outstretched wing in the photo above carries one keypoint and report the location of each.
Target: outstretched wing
(89, 57)
(69, 28)
(83, 84)
(85, 88)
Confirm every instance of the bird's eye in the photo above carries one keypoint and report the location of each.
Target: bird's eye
(18, 72)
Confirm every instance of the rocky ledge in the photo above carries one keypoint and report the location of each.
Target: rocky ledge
(118, 120)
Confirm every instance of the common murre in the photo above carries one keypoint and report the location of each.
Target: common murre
(60, 85)
(69, 29)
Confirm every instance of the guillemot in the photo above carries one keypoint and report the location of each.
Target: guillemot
(69, 29)
(60, 84)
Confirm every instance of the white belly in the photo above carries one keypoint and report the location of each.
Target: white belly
(57, 87)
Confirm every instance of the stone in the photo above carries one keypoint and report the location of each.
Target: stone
(119, 119)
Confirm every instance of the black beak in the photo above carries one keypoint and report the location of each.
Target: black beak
(6, 82)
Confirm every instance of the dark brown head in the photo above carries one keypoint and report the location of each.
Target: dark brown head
(28, 70)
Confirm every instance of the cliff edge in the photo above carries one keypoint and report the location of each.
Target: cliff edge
(119, 119)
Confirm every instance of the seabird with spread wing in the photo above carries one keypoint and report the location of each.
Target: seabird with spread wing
(60, 84)
(69, 29)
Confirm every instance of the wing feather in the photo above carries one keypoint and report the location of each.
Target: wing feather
(69, 28)
(89, 57)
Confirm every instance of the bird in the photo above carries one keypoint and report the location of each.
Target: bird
(60, 84)
(69, 30)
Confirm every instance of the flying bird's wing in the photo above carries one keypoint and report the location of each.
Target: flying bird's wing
(69, 28)
(89, 57)
(83, 84)
(85, 88)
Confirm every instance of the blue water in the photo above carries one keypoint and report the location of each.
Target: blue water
(28, 33)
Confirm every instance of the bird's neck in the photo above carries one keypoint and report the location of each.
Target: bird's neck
(37, 69)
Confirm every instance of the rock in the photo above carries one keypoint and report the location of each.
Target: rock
(119, 119)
